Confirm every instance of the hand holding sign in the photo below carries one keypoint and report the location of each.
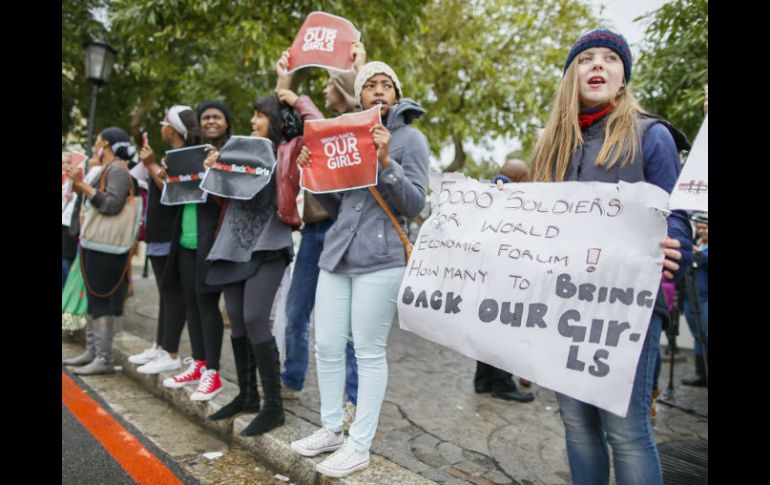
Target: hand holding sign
(381, 139)
(358, 55)
(324, 41)
(670, 249)
(340, 153)
(303, 160)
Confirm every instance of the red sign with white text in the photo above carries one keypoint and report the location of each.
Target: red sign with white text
(343, 156)
(323, 41)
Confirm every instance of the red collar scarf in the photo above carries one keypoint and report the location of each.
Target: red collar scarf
(589, 119)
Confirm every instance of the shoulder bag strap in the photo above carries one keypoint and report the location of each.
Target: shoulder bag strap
(389, 213)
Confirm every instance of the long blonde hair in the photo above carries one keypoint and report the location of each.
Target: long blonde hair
(562, 135)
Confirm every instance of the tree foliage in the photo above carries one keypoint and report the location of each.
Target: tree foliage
(673, 66)
(481, 68)
(78, 27)
(485, 68)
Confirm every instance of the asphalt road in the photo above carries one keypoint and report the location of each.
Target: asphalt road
(83, 459)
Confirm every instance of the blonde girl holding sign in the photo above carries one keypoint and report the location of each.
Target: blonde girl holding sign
(597, 132)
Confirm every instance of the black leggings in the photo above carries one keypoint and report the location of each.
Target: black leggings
(204, 320)
(171, 311)
(249, 302)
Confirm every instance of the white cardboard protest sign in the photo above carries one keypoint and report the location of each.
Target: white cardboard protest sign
(554, 282)
(691, 190)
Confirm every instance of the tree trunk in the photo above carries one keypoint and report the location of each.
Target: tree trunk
(138, 118)
(459, 161)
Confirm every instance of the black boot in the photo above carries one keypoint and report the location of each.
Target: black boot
(699, 379)
(505, 388)
(271, 416)
(482, 380)
(246, 369)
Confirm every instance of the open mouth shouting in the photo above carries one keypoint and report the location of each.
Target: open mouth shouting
(596, 81)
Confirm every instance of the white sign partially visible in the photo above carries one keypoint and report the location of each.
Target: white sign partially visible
(691, 191)
(554, 282)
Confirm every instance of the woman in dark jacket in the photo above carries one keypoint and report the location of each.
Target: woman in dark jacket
(249, 257)
(191, 240)
(178, 129)
(104, 273)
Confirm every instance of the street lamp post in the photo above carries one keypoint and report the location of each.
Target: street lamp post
(100, 58)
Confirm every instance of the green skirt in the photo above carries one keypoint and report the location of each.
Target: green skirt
(74, 304)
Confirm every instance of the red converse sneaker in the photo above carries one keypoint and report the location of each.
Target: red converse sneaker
(209, 386)
(191, 376)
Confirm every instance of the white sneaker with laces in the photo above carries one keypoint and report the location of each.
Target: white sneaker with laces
(319, 442)
(163, 362)
(146, 356)
(343, 462)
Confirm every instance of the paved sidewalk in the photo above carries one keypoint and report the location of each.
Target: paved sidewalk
(434, 425)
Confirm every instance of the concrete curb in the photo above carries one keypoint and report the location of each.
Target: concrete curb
(273, 447)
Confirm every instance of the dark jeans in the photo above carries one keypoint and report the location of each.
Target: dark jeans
(171, 310)
(204, 320)
(299, 304)
(589, 429)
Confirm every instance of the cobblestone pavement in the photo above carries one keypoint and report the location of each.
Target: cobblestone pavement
(434, 424)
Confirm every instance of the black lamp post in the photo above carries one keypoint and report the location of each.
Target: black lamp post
(100, 58)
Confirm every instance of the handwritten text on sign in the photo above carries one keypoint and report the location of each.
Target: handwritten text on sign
(343, 156)
(552, 282)
(691, 189)
(324, 40)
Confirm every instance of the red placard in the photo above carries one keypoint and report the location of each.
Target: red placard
(324, 40)
(343, 156)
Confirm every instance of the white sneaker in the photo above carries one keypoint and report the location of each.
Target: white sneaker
(146, 356)
(343, 462)
(321, 441)
(161, 363)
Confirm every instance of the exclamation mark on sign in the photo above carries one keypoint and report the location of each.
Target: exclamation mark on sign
(593, 258)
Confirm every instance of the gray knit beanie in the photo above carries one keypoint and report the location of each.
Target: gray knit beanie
(372, 69)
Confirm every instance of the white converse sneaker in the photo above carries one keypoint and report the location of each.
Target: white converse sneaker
(146, 356)
(321, 441)
(161, 363)
(343, 462)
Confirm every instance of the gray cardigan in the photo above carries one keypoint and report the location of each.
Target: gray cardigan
(117, 184)
(362, 238)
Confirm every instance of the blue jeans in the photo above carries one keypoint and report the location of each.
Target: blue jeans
(299, 305)
(364, 304)
(589, 429)
(704, 322)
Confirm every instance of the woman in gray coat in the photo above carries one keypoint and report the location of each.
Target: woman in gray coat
(104, 273)
(362, 265)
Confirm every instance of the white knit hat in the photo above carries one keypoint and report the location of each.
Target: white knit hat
(372, 69)
(173, 119)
